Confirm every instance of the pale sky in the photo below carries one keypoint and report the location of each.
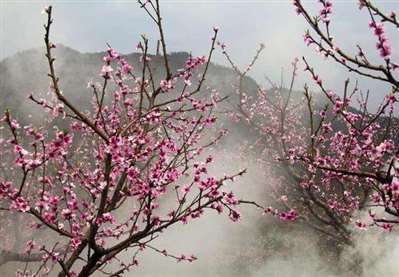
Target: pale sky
(88, 25)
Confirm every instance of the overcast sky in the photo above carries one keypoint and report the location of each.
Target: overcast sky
(88, 25)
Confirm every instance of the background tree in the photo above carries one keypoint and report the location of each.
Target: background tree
(280, 119)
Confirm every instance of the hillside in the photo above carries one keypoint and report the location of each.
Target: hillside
(26, 72)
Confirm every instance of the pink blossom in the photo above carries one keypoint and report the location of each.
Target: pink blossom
(106, 71)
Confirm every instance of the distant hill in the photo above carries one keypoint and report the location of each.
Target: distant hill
(26, 72)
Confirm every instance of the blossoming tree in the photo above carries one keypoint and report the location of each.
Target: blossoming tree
(141, 148)
(280, 120)
(324, 163)
(365, 153)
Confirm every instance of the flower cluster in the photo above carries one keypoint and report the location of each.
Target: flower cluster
(326, 11)
(383, 44)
